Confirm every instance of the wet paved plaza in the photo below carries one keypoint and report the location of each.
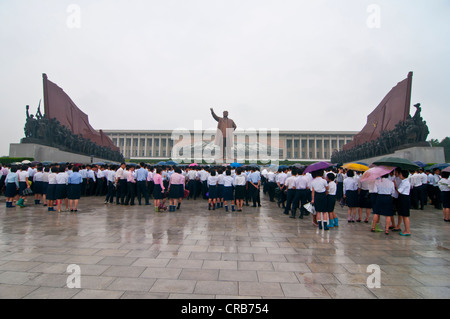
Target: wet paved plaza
(133, 252)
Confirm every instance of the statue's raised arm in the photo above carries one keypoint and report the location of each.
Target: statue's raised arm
(214, 115)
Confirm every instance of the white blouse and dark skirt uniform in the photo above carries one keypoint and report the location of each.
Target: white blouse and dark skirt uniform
(351, 192)
(320, 194)
(384, 202)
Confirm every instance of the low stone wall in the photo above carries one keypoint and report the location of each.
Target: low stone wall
(43, 153)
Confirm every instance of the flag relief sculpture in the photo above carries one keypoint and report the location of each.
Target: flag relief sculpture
(389, 127)
(66, 127)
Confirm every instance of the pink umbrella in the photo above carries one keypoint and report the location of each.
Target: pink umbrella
(375, 172)
(447, 169)
(193, 164)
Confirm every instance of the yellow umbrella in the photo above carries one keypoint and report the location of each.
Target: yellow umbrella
(356, 167)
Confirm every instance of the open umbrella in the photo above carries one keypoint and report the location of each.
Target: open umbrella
(447, 169)
(234, 165)
(356, 167)
(375, 172)
(171, 163)
(402, 163)
(193, 164)
(419, 163)
(317, 166)
(439, 166)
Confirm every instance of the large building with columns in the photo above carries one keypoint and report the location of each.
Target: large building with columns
(293, 145)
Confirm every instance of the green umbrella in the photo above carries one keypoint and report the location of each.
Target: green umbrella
(402, 163)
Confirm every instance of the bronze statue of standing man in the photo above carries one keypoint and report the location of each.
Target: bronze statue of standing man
(224, 135)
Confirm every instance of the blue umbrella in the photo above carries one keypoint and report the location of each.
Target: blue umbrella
(234, 165)
(161, 163)
(439, 166)
(171, 163)
(419, 163)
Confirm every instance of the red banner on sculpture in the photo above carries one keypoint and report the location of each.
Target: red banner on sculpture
(394, 108)
(58, 105)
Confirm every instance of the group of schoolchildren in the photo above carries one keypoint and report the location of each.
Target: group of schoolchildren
(393, 194)
(296, 189)
(396, 192)
(58, 183)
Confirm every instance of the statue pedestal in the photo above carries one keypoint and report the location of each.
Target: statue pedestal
(425, 154)
(42, 153)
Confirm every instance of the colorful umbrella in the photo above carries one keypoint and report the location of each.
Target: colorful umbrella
(193, 164)
(402, 163)
(375, 172)
(356, 167)
(317, 166)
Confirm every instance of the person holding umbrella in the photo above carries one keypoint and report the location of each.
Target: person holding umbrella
(384, 204)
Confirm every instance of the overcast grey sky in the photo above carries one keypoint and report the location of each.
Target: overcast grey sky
(287, 64)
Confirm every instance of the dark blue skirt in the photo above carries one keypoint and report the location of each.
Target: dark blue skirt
(220, 188)
(176, 191)
(445, 196)
(74, 191)
(364, 199)
(228, 193)
(384, 205)
(331, 201)
(11, 190)
(38, 187)
(320, 202)
(404, 203)
(51, 192)
(157, 192)
(239, 192)
(61, 191)
(212, 190)
(22, 187)
(351, 198)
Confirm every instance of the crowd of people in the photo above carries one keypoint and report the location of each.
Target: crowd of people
(60, 187)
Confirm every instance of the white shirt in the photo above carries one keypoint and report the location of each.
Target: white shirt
(240, 180)
(192, 174)
(350, 184)
(62, 178)
(290, 182)
(281, 178)
(52, 178)
(332, 188)
(38, 177)
(228, 181)
(271, 177)
(319, 185)
(404, 188)
(212, 180)
(385, 187)
(22, 176)
(416, 180)
(444, 185)
(301, 182)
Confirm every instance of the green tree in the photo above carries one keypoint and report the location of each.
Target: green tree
(445, 143)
